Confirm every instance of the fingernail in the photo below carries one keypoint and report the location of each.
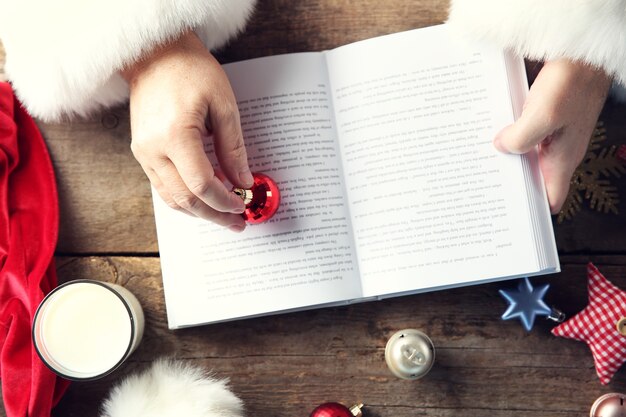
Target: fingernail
(246, 178)
(497, 143)
(237, 228)
(238, 206)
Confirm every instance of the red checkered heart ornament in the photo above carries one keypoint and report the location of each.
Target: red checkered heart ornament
(602, 325)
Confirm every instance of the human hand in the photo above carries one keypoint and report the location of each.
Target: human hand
(559, 115)
(179, 95)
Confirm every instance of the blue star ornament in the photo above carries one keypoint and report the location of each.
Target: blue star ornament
(526, 303)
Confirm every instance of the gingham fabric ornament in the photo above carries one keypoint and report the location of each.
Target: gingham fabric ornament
(600, 325)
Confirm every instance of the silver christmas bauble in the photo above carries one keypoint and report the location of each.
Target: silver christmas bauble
(409, 354)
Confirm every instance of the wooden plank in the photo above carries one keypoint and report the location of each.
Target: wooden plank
(283, 26)
(104, 196)
(285, 365)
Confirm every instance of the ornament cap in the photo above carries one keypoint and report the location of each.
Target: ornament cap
(356, 410)
(556, 315)
(409, 354)
(609, 405)
(621, 326)
(246, 195)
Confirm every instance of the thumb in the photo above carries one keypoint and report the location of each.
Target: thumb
(529, 130)
(535, 128)
(541, 116)
(557, 170)
(559, 114)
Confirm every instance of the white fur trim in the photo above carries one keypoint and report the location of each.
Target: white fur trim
(592, 31)
(63, 56)
(172, 389)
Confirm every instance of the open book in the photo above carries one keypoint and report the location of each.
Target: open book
(382, 150)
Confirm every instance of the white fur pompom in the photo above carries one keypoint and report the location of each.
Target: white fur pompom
(172, 389)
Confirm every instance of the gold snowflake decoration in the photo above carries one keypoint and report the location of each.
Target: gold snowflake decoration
(591, 179)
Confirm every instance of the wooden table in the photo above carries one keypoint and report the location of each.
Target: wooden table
(283, 366)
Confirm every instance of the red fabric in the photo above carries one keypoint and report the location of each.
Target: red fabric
(596, 325)
(29, 217)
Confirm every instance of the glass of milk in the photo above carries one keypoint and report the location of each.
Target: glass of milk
(85, 329)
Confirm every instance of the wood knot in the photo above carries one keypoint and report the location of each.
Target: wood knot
(110, 121)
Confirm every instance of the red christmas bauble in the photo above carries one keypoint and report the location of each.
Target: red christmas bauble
(336, 410)
(262, 200)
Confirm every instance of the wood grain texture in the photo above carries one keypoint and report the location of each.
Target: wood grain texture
(283, 26)
(284, 365)
(104, 196)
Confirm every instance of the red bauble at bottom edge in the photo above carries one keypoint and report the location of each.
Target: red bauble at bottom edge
(337, 410)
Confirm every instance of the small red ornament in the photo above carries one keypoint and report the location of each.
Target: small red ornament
(262, 200)
(337, 410)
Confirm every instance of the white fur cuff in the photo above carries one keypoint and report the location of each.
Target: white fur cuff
(591, 31)
(63, 56)
(170, 389)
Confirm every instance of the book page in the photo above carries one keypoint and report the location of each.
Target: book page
(433, 203)
(304, 255)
